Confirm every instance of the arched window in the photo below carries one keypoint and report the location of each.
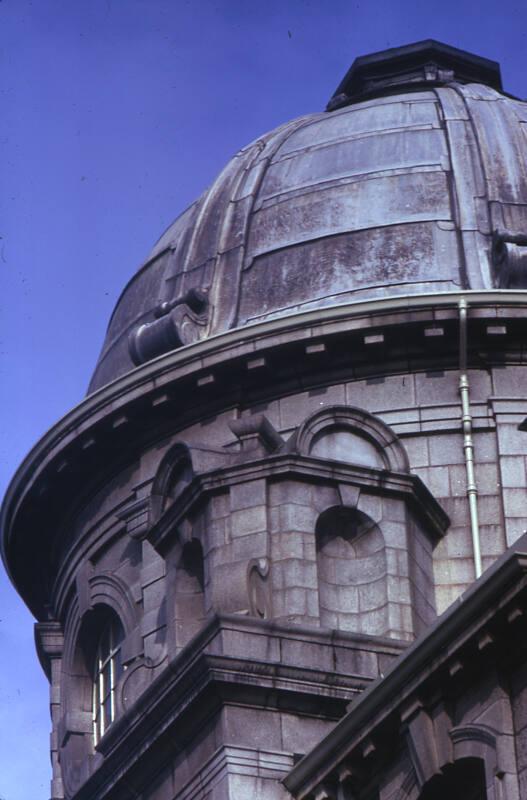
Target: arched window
(93, 672)
(107, 670)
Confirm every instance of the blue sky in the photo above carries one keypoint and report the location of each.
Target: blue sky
(115, 115)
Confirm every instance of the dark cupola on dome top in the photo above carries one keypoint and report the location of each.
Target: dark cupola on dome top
(428, 62)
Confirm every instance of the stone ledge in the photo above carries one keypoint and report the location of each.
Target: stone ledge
(198, 682)
(304, 468)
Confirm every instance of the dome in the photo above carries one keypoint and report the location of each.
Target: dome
(414, 180)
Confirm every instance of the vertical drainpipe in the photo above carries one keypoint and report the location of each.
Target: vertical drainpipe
(468, 444)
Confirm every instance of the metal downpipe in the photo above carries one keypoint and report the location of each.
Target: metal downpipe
(468, 444)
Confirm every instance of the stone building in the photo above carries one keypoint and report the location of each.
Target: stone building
(277, 551)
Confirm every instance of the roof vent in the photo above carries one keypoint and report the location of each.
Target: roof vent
(422, 63)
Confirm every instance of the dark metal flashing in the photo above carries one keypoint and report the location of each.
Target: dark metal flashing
(464, 620)
(423, 63)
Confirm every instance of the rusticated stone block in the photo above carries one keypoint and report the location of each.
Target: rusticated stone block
(446, 449)
(294, 517)
(248, 495)
(248, 520)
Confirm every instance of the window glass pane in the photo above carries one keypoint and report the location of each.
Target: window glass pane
(106, 681)
(108, 668)
(118, 665)
(107, 712)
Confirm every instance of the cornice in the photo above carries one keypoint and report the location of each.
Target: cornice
(309, 468)
(220, 369)
(196, 683)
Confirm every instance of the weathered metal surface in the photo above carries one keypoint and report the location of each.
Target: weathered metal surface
(347, 266)
(398, 194)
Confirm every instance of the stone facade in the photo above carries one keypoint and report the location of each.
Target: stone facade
(448, 719)
(284, 522)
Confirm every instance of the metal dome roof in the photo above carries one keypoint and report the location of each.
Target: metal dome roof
(421, 187)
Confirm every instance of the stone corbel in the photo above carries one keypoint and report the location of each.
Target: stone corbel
(442, 723)
(49, 640)
(420, 738)
(347, 778)
(324, 792)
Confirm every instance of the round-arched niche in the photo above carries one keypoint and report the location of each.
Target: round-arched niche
(351, 435)
(351, 570)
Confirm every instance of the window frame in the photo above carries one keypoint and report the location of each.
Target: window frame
(107, 670)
